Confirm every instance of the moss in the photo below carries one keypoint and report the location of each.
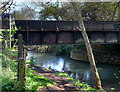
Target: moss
(63, 74)
(48, 69)
(83, 86)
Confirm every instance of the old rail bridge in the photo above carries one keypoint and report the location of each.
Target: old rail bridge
(37, 32)
(66, 32)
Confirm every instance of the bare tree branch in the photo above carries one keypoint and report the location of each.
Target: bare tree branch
(6, 6)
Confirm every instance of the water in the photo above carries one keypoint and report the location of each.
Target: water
(59, 63)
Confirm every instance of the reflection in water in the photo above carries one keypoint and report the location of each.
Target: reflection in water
(80, 70)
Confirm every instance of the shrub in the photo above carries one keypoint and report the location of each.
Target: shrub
(33, 61)
(9, 82)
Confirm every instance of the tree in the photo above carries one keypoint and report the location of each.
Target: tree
(5, 6)
(98, 11)
(50, 11)
(88, 46)
(54, 11)
(119, 11)
(25, 13)
(116, 8)
(91, 11)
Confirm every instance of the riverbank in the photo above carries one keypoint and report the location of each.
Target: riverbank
(81, 55)
(56, 81)
(78, 70)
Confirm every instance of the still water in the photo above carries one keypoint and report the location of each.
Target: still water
(83, 69)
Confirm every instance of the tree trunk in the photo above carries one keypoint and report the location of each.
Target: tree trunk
(10, 31)
(117, 6)
(119, 11)
(88, 46)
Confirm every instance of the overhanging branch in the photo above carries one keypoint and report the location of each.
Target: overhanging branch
(6, 6)
(115, 10)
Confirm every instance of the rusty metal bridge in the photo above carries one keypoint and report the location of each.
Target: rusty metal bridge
(36, 32)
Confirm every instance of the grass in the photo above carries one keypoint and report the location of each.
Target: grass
(35, 82)
(9, 80)
(62, 74)
(76, 83)
(83, 86)
(9, 72)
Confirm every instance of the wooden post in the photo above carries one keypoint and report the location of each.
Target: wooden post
(24, 56)
(19, 51)
(20, 46)
(21, 67)
(21, 74)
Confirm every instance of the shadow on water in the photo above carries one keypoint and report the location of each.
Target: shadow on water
(79, 70)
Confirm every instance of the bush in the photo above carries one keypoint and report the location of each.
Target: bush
(33, 61)
(63, 49)
(9, 82)
(66, 49)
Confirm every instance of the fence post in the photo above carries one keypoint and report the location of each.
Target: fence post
(24, 56)
(21, 67)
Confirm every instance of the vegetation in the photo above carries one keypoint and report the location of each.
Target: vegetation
(117, 76)
(36, 82)
(98, 11)
(33, 81)
(9, 64)
(76, 83)
(9, 80)
(33, 61)
(63, 49)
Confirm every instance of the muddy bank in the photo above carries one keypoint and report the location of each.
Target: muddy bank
(81, 55)
(41, 48)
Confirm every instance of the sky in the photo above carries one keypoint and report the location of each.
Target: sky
(19, 2)
(67, 0)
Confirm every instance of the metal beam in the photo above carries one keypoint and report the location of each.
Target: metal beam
(36, 32)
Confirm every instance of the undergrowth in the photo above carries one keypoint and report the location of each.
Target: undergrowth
(79, 85)
(35, 82)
